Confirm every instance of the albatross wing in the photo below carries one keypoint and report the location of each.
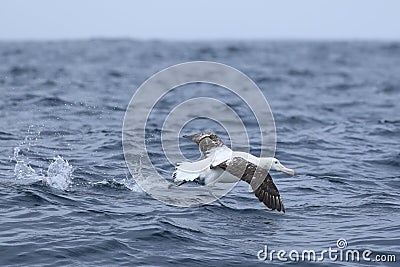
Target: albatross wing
(190, 171)
(260, 180)
(207, 142)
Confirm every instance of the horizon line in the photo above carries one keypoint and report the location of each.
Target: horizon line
(200, 40)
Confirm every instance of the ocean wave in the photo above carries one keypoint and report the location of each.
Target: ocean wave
(52, 102)
(23, 70)
(7, 136)
(67, 195)
(126, 183)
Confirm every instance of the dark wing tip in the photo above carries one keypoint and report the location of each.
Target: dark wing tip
(271, 201)
(268, 194)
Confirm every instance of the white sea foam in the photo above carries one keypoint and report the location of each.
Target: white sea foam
(128, 183)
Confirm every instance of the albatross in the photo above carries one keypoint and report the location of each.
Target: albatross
(222, 165)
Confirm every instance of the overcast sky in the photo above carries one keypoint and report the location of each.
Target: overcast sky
(202, 19)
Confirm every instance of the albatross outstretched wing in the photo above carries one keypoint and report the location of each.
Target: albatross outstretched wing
(207, 142)
(260, 180)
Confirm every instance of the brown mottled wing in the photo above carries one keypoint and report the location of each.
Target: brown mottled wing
(206, 144)
(259, 179)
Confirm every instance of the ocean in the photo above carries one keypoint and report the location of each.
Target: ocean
(69, 199)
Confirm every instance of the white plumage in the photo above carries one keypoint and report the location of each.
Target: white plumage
(206, 171)
(221, 164)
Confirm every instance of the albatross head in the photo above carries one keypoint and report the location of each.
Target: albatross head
(274, 164)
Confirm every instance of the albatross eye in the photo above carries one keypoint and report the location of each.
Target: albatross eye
(276, 162)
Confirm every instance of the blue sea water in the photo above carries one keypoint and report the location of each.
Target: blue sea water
(67, 197)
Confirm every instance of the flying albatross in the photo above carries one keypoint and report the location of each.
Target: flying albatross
(221, 164)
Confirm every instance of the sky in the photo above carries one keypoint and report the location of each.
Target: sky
(200, 20)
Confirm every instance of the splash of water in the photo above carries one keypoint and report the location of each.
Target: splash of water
(22, 169)
(58, 174)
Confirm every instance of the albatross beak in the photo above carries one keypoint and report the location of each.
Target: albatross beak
(286, 170)
(188, 136)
